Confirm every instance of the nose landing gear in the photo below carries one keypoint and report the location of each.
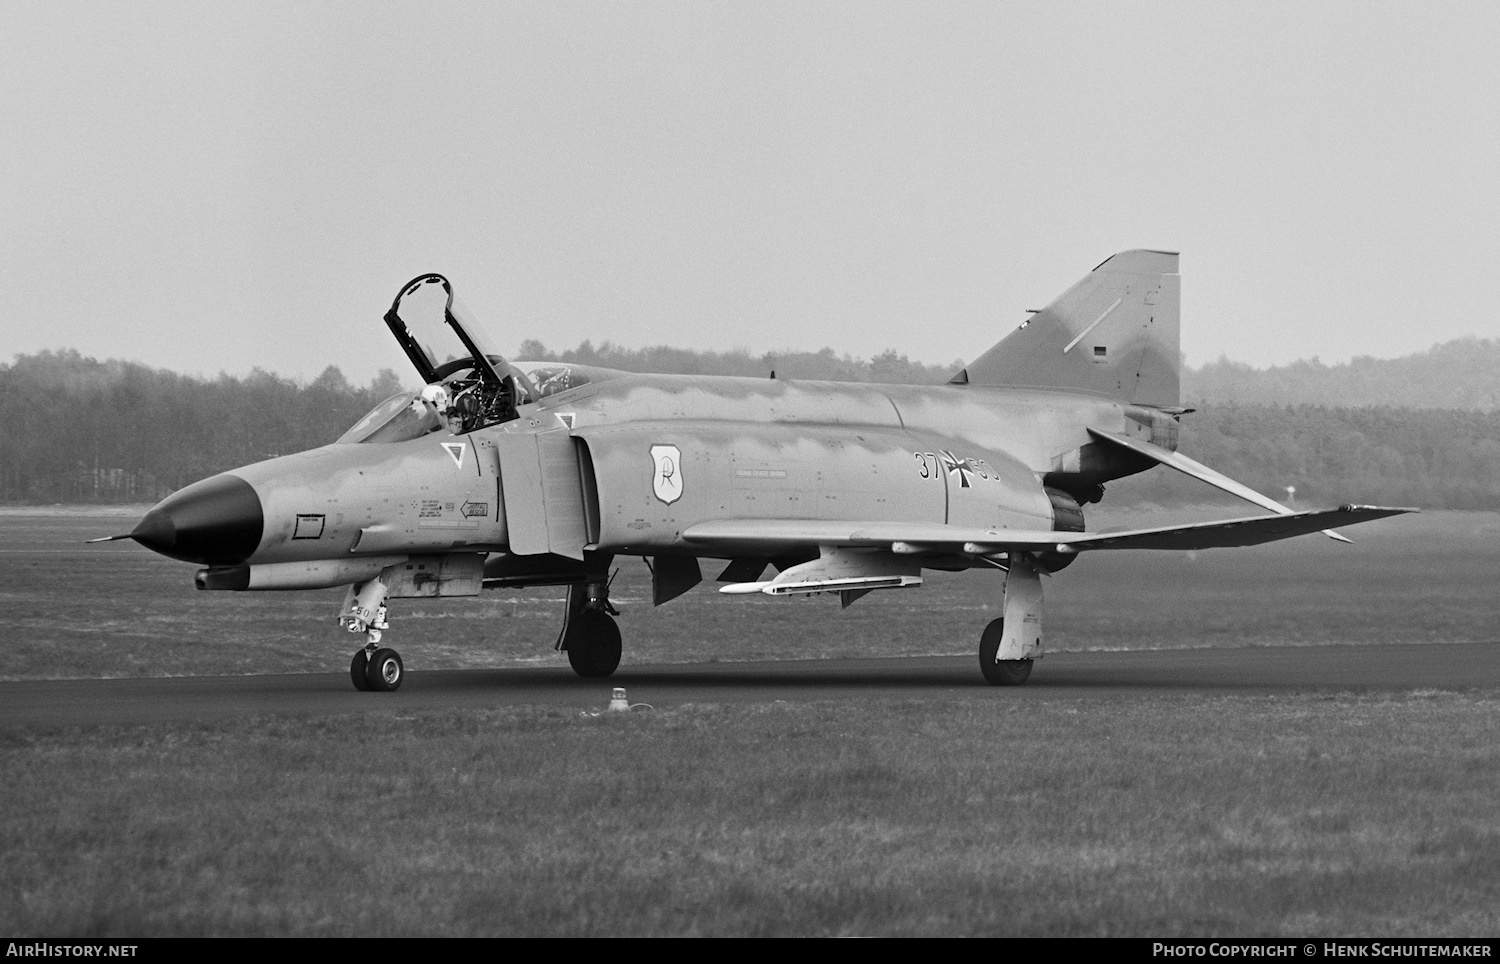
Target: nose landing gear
(374, 668)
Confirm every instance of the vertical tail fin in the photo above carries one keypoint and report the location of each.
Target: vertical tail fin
(1115, 333)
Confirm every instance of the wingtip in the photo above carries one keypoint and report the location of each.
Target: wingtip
(1377, 511)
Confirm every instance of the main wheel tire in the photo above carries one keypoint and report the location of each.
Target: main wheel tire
(358, 667)
(594, 645)
(1000, 672)
(385, 672)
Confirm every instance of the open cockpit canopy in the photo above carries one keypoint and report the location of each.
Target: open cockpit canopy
(468, 384)
(449, 347)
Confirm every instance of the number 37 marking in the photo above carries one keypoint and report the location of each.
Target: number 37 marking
(929, 465)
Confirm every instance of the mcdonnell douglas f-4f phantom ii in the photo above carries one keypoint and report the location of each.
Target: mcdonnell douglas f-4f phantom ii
(508, 474)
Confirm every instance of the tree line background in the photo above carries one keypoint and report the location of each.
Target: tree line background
(1421, 430)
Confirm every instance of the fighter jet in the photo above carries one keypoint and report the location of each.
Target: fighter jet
(501, 475)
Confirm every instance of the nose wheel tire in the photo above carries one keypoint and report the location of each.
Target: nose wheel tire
(593, 645)
(1000, 672)
(384, 672)
(358, 667)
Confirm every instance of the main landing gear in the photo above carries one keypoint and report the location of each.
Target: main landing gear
(590, 636)
(1005, 658)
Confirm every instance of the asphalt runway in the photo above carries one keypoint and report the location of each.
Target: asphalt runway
(1392, 669)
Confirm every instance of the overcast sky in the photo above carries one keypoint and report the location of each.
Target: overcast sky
(213, 187)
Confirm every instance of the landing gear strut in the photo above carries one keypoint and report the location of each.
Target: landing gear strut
(590, 636)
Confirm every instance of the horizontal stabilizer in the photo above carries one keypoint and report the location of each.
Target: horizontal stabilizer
(1199, 471)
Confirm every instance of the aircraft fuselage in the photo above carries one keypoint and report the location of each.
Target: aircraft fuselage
(732, 448)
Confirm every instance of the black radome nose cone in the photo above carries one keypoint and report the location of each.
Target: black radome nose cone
(217, 522)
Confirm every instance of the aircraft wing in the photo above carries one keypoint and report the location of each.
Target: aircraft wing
(769, 537)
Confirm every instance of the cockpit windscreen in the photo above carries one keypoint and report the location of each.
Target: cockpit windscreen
(397, 419)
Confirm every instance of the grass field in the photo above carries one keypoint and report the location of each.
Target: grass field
(1306, 816)
(1316, 815)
